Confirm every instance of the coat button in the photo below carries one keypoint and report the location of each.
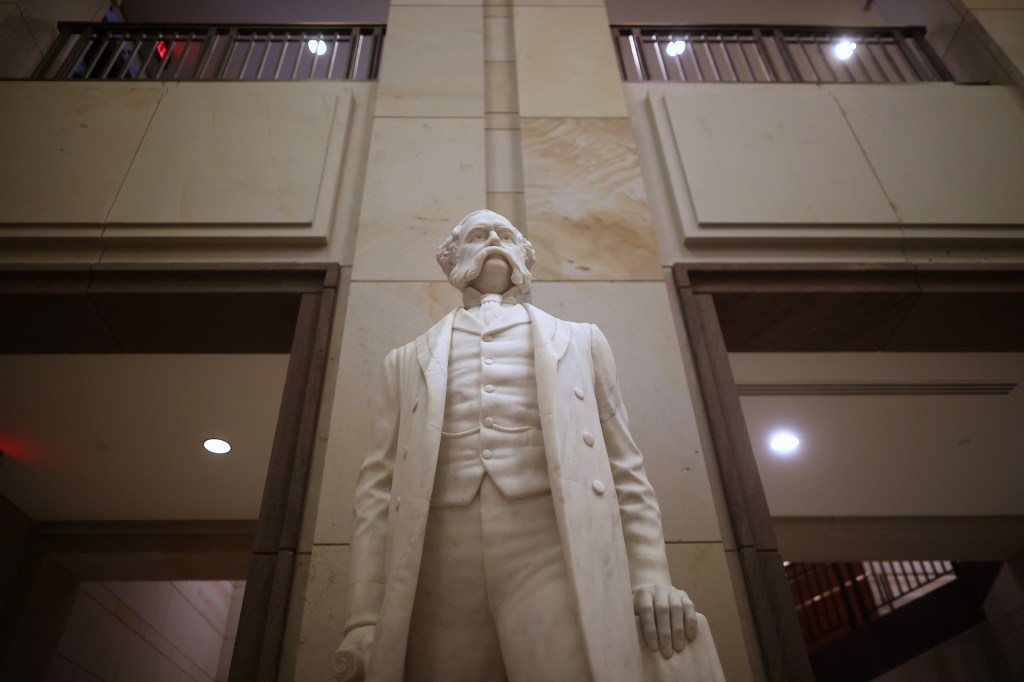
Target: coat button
(588, 438)
(598, 487)
(578, 392)
(415, 404)
(405, 452)
(488, 422)
(487, 454)
(489, 388)
(488, 337)
(488, 361)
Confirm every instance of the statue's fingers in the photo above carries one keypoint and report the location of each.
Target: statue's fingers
(663, 617)
(678, 621)
(690, 617)
(643, 606)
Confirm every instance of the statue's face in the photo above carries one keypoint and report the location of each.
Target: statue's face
(482, 236)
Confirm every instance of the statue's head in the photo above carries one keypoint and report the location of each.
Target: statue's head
(481, 237)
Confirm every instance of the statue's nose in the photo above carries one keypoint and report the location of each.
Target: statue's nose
(494, 238)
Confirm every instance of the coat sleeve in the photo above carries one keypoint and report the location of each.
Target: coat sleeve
(372, 501)
(638, 506)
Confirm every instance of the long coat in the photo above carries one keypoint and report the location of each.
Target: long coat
(608, 518)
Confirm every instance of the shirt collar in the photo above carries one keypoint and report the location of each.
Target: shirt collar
(471, 297)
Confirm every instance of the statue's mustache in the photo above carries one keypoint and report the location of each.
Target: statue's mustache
(470, 271)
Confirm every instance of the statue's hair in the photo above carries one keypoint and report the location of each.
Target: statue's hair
(447, 253)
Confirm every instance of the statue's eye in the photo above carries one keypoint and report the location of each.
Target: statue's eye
(506, 237)
(478, 237)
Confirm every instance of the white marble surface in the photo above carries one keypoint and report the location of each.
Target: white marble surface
(64, 151)
(421, 176)
(432, 63)
(636, 319)
(232, 155)
(773, 154)
(585, 200)
(958, 157)
(566, 63)
(381, 316)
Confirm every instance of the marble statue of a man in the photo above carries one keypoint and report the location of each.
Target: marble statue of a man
(504, 527)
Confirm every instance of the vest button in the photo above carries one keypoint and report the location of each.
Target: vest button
(598, 487)
(578, 392)
(489, 388)
(398, 503)
(488, 361)
(487, 454)
(488, 422)
(588, 438)
(405, 452)
(488, 337)
(415, 404)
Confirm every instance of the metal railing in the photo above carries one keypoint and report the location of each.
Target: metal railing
(773, 54)
(190, 52)
(831, 599)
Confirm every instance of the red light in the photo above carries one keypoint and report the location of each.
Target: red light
(161, 49)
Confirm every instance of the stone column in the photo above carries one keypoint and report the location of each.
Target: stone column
(586, 212)
(425, 170)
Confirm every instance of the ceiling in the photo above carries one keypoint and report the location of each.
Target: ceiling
(918, 444)
(119, 436)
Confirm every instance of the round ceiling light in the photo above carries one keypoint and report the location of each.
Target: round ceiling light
(217, 446)
(784, 443)
(675, 48)
(843, 50)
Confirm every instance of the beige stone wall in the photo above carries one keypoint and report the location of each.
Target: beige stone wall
(781, 172)
(525, 114)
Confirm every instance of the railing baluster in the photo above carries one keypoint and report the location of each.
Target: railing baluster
(334, 55)
(184, 55)
(248, 54)
(209, 46)
(100, 50)
(298, 56)
(746, 59)
(266, 45)
(229, 49)
(762, 55)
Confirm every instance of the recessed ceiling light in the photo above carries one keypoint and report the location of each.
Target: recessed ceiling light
(217, 446)
(784, 443)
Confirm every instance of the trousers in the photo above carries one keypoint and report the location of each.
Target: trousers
(493, 600)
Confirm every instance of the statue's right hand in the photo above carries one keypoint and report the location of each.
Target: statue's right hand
(348, 662)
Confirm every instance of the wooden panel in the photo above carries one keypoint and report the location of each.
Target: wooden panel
(962, 322)
(823, 322)
(199, 322)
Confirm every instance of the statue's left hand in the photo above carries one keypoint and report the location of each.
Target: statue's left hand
(668, 618)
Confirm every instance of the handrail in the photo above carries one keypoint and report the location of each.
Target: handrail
(766, 54)
(188, 51)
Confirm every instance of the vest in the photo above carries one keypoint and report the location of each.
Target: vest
(491, 419)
